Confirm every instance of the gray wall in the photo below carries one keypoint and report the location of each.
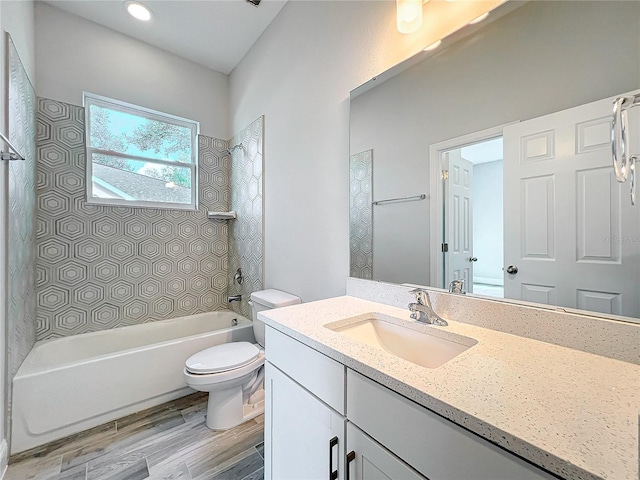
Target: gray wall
(298, 75)
(488, 237)
(541, 58)
(74, 54)
(101, 267)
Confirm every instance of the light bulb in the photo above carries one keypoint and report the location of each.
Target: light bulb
(138, 11)
(408, 15)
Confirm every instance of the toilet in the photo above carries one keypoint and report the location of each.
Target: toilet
(233, 373)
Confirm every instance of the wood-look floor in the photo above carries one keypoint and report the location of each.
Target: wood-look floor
(166, 442)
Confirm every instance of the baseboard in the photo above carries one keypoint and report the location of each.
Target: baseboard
(4, 458)
(488, 281)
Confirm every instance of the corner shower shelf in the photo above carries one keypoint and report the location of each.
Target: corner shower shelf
(222, 215)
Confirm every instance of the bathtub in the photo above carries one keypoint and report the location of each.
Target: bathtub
(70, 384)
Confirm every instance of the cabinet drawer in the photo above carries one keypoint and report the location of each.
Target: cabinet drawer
(434, 446)
(311, 369)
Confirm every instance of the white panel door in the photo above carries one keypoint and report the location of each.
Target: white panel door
(459, 225)
(299, 430)
(368, 460)
(570, 228)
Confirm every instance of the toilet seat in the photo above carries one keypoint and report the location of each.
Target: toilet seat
(222, 358)
(201, 380)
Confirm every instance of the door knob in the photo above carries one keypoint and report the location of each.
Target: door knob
(473, 259)
(512, 269)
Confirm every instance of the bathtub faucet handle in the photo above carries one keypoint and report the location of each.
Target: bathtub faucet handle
(238, 277)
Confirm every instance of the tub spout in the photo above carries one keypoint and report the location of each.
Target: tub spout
(234, 298)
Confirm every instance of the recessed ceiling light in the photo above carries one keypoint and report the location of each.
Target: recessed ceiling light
(138, 11)
(433, 46)
(479, 19)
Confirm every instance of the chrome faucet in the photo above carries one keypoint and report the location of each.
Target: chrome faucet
(234, 298)
(457, 286)
(422, 311)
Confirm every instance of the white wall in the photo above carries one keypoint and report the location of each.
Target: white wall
(4, 354)
(488, 238)
(17, 18)
(299, 75)
(512, 71)
(74, 55)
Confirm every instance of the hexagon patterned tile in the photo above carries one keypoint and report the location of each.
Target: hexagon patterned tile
(245, 242)
(100, 267)
(21, 223)
(361, 215)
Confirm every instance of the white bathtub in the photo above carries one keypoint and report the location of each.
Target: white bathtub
(70, 384)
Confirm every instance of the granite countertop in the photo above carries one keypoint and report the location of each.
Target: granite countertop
(573, 413)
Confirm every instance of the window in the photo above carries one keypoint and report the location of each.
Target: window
(139, 157)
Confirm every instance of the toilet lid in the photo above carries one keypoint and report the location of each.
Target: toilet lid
(222, 357)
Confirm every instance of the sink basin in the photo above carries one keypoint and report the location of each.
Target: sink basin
(409, 341)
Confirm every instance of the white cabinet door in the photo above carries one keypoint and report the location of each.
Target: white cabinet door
(299, 430)
(368, 460)
(573, 233)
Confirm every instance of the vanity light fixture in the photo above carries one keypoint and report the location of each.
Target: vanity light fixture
(408, 15)
(479, 19)
(138, 11)
(433, 46)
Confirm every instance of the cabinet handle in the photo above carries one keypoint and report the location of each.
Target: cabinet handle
(351, 456)
(333, 474)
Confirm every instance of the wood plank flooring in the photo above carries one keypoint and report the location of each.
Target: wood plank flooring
(167, 442)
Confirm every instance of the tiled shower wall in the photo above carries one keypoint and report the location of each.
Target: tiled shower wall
(246, 232)
(101, 267)
(361, 215)
(21, 261)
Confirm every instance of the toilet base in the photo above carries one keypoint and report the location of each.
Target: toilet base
(226, 410)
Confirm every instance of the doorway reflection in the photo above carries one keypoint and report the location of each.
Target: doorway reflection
(473, 206)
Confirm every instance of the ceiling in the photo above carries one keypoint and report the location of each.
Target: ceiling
(483, 152)
(213, 33)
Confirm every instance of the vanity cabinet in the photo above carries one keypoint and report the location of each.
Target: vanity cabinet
(304, 431)
(368, 460)
(305, 437)
(314, 404)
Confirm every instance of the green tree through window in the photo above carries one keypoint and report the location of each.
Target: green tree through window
(138, 156)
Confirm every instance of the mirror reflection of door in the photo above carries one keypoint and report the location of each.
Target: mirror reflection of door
(472, 176)
(575, 241)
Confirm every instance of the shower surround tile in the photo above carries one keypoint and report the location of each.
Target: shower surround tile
(101, 267)
(246, 232)
(361, 215)
(21, 201)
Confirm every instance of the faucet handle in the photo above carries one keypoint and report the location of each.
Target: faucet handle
(422, 296)
(413, 310)
(457, 286)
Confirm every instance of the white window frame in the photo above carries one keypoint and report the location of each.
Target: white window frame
(112, 104)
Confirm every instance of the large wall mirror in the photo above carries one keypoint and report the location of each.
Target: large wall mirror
(489, 160)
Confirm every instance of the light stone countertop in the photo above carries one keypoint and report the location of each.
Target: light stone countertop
(573, 413)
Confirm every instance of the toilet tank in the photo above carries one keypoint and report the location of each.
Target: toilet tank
(268, 300)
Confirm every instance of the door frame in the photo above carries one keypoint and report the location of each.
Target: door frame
(436, 189)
